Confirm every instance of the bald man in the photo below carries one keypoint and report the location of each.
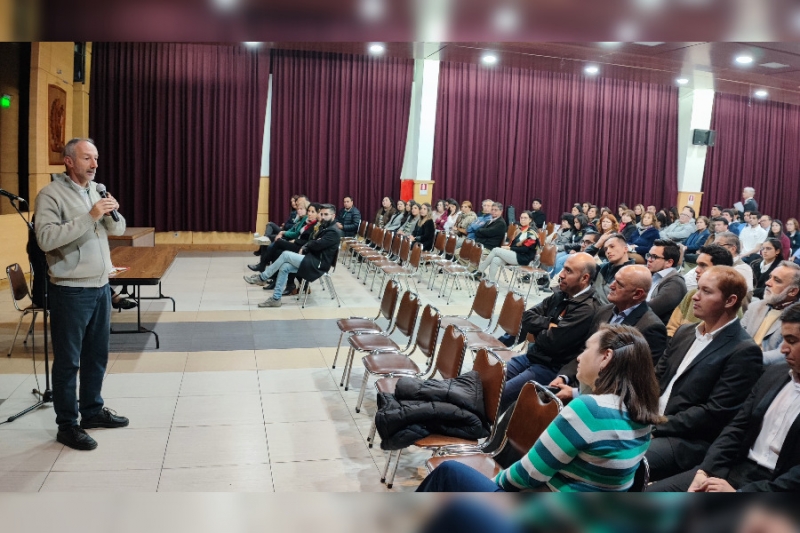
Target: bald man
(627, 295)
(560, 325)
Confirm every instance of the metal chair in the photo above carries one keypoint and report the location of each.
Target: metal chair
(324, 280)
(19, 291)
(509, 320)
(482, 305)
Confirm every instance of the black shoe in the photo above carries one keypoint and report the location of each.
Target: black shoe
(257, 253)
(106, 418)
(255, 267)
(288, 291)
(477, 276)
(123, 303)
(270, 285)
(76, 438)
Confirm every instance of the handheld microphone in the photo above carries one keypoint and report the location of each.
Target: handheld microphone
(101, 190)
(10, 196)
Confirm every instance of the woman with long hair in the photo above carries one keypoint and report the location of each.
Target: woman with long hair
(606, 227)
(411, 219)
(596, 442)
(398, 218)
(793, 232)
(776, 232)
(762, 267)
(425, 230)
(563, 235)
(648, 233)
(439, 215)
(384, 214)
(638, 210)
(521, 251)
(627, 225)
(696, 240)
(452, 215)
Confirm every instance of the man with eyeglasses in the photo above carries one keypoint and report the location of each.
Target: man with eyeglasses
(731, 243)
(680, 230)
(668, 287)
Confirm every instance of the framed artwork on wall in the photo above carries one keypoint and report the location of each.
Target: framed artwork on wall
(56, 123)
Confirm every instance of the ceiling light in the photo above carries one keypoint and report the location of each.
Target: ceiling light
(252, 44)
(591, 69)
(761, 93)
(744, 60)
(682, 81)
(489, 59)
(376, 48)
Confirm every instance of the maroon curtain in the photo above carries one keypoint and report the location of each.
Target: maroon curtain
(758, 145)
(179, 129)
(339, 127)
(513, 134)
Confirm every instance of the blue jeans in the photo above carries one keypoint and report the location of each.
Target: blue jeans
(287, 263)
(80, 326)
(452, 476)
(561, 258)
(520, 370)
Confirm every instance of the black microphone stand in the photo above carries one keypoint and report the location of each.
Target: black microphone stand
(47, 395)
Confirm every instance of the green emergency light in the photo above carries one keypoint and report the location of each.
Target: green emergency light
(5, 101)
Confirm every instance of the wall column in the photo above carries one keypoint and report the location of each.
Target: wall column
(695, 103)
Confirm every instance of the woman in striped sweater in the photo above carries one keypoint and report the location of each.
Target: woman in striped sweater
(596, 442)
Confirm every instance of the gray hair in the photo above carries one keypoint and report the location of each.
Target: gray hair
(498, 205)
(795, 271)
(749, 190)
(731, 239)
(69, 148)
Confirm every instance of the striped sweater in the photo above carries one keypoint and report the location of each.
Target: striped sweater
(592, 445)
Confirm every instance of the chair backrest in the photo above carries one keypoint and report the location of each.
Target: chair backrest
(530, 418)
(541, 235)
(450, 245)
(439, 242)
(466, 248)
(389, 300)
(416, 255)
(547, 258)
(475, 255)
(511, 233)
(492, 371)
(405, 249)
(641, 477)
(16, 278)
(510, 318)
(451, 354)
(428, 330)
(388, 238)
(550, 228)
(407, 313)
(362, 229)
(485, 299)
(397, 240)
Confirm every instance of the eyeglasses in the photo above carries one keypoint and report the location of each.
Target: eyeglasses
(652, 257)
(587, 241)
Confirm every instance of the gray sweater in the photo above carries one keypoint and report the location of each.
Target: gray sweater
(76, 246)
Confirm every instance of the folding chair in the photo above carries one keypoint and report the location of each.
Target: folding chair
(19, 291)
(482, 305)
(324, 280)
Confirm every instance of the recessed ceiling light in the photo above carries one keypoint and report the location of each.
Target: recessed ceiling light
(591, 69)
(649, 43)
(252, 44)
(761, 93)
(489, 59)
(682, 81)
(376, 48)
(744, 60)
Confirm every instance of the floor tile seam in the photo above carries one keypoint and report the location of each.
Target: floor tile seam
(266, 434)
(208, 466)
(172, 421)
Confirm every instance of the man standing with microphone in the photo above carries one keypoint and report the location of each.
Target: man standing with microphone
(73, 221)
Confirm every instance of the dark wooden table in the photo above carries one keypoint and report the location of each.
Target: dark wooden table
(146, 266)
(136, 237)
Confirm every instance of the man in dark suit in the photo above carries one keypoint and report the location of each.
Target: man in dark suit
(314, 259)
(759, 451)
(750, 203)
(704, 375)
(627, 294)
(492, 233)
(668, 287)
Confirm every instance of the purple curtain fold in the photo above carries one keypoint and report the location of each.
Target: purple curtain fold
(514, 134)
(758, 145)
(339, 127)
(179, 129)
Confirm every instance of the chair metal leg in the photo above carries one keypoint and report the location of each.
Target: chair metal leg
(335, 357)
(386, 466)
(335, 294)
(346, 363)
(11, 348)
(30, 329)
(361, 392)
(390, 481)
(371, 436)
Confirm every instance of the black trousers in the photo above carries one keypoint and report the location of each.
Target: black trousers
(740, 474)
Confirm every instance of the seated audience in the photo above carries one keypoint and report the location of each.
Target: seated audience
(638, 210)
(761, 319)
(763, 267)
(627, 225)
(648, 232)
(314, 259)
(607, 226)
(398, 218)
(538, 217)
(589, 238)
(596, 442)
(439, 215)
(424, 231)
(273, 250)
(792, 227)
(775, 231)
(465, 219)
(621, 209)
(616, 253)
(385, 213)
(349, 218)
(765, 221)
(668, 287)
(411, 219)
(452, 215)
(560, 325)
(759, 450)
(482, 220)
(576, 210)
(628, 308)
(563, 234)
(751, 237)
(521, 251)
(491, 234)
(710, 255)
(716, 211)
(735, 225)
(704, 375)
(696, 240)
(681, 229)
(593, 215)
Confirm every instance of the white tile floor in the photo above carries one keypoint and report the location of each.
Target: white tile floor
(243, 420)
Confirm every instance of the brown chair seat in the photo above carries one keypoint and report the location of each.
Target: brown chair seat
(358, 324)
(462, 323)
(389, 363)
(482, 462)
(479, 339)
(438, 441)
(370, 342)
(507, 354)
(387, 385)
(455, 269)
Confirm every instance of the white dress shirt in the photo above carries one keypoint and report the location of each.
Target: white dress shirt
(751, 237)
(779, 418)
(701, 342)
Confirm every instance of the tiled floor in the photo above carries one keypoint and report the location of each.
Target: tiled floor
(237, 399)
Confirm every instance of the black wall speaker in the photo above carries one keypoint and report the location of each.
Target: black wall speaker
(704, 137)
